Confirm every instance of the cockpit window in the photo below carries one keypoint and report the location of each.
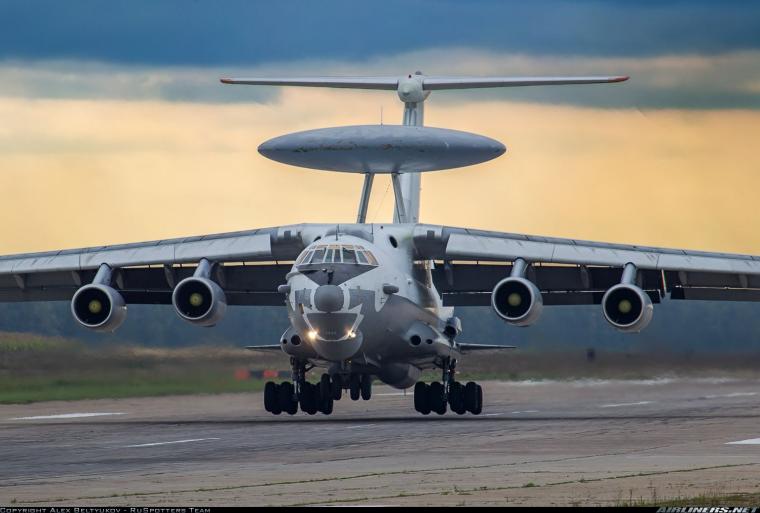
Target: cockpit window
(349, 255)
(337, 254)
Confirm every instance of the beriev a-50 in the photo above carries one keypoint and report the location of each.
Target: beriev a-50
(376, 301)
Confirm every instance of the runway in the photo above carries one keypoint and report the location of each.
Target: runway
(568, 443)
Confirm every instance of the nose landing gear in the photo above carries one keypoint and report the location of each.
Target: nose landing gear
(288, 396)
(436, 396)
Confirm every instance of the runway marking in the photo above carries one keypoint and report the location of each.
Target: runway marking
(751, 441)
(735, 394)
(362, 426)
(526, 411)
(617, 405)
(390, 393)
(492, 414)
(67, 416)
(153, 444)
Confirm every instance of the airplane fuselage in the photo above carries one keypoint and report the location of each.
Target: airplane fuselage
(363, 304)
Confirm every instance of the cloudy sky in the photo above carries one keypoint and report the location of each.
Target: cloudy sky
(114, 127)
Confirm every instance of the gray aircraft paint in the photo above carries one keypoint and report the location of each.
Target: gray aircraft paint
(382, 149)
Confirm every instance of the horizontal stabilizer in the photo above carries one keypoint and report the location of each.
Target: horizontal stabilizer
(428, 83)
(441, 83)
(466, 348)
(387, 83)
(266, 347)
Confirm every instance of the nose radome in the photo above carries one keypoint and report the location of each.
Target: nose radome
(328, 298)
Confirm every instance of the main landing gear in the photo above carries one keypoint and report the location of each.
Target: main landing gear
(287, 397)
(436, 396)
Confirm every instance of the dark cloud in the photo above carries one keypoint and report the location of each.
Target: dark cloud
(242, 32)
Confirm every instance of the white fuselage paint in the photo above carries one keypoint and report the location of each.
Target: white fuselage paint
(379, 324)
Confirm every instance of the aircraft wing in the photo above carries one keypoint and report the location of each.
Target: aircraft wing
(251, 265)
(572, 272)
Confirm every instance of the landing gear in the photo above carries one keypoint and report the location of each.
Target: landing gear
(366, 387)
(354, 387)
(288, 396)
(437, 396)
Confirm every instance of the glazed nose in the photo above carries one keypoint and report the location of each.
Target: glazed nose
(328, 298)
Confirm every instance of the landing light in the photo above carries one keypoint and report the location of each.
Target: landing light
(312, 335)
(351, 334)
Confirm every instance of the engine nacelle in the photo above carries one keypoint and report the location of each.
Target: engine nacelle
(199, 301)
(517, 300)
(627, 307)
(98, 307)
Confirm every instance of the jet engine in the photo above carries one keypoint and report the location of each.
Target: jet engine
(198, 299)
(98, 306)
(626, 306)
(516, 299)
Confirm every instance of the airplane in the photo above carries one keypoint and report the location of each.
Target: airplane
(372, 301)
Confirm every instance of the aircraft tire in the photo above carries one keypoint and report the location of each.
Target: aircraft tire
(366, 387)
(271, 402)
(478, 401)
(325, 388)
(285, 398)
(437, 398)
(421, 398)
(308, 398)
(326, 405)
(354, 387)
(471, 397)
(337, 387)
(456, 398)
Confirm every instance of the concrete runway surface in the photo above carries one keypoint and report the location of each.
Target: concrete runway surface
(571, 442)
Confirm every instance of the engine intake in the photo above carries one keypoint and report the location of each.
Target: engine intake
(98, 307)
(199, 301)
(517, 300)
(626, 306)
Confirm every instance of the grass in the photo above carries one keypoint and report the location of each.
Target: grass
(46, 369)
(94, 385)
(35, 368)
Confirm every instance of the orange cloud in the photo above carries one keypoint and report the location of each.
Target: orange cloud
(84, 172)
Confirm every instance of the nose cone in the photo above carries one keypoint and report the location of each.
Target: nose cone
(328, 298)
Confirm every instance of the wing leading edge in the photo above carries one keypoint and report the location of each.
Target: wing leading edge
(569, 271)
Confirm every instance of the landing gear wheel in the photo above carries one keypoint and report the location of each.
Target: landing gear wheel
(479, 401)
(286, 399)
(354, 387)
(271, 399)
(456, 398)
(473, 398)
(337, 387)
(326, 405)
(437, 398)
(421, 398)
(325, 387)
(366, 387)
(308, 398)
